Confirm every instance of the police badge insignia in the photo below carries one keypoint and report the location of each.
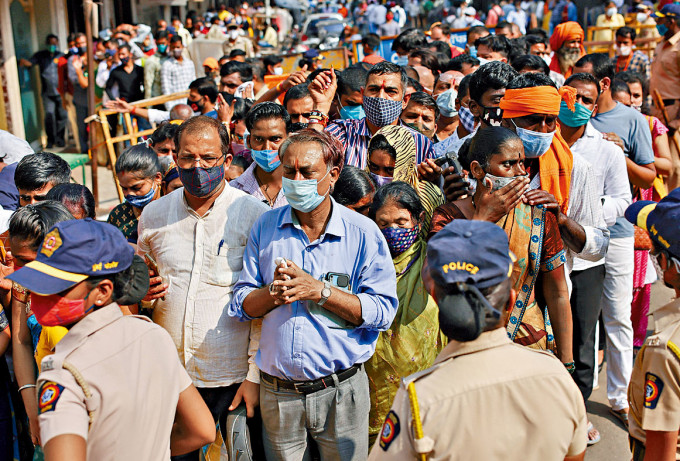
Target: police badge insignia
(390, 430)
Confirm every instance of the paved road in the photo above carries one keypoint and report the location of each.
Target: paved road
(614, 443)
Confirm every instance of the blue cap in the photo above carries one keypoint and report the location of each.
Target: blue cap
(660, 220)
(671, 10)
(312, 53)
(73, 251)
(472, 252)
(446, 102)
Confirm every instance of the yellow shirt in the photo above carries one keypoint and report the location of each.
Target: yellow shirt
(49, 337)
(602, 21)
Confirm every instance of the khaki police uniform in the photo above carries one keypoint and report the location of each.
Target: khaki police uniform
(133, 378)
(654, 391)
(487, 399)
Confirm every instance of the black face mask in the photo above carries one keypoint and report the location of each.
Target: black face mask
(464, 313)
(82, 50)
(492, 116)
(197, 106)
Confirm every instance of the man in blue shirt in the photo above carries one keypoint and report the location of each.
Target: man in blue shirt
(322, 309)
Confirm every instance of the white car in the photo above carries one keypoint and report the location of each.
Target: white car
(323, 30)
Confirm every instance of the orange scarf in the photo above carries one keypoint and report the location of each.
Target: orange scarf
(556, 164)
(563, 33)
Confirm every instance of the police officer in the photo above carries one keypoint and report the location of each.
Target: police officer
(114, 388)
(485, 397)
(654, 391)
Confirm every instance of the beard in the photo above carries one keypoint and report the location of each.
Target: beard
(568, 56)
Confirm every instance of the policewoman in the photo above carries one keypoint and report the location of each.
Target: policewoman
(114, 388)
(654, 391)
(485, 397)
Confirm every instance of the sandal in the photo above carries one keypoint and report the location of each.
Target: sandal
(621, 415)
(593, 434)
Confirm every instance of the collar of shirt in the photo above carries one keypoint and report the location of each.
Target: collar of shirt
(90, 324)
(487, 340)
(334, 227)
(220, 198)
(667, 315)
(674, 39)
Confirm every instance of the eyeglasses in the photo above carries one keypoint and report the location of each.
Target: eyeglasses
(188, 161)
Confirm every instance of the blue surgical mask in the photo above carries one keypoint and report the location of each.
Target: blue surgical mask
(268, 160)
(662, 28)
(303, 195)
(473, 51)
(575, 119)
(140, 201)
(381, 180)
(352, 112)
(162, 48)
(74, 49)
(402, 60)
(535, 143)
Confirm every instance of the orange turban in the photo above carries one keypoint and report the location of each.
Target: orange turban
(556, 164)
(563, 33)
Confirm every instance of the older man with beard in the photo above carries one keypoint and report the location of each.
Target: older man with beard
(567, 43)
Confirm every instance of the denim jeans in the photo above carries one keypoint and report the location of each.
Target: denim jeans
(336, 418)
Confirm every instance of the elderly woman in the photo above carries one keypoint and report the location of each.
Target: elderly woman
(392, 157)
(140, 175)
(414, 340)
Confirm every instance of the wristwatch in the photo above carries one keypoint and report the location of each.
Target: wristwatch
(325, 293)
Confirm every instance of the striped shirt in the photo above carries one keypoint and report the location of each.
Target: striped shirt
(355, 135)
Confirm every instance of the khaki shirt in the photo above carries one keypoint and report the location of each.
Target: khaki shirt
(666, 68)
(488, 399)
(654, 391)
(135, 377)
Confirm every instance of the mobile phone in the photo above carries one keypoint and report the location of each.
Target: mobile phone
(338, 280)
(450, 159)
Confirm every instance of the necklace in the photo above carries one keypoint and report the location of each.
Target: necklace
(265, 188)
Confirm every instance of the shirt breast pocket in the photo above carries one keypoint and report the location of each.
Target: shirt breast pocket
(225, 265)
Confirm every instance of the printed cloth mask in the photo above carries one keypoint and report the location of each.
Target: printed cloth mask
(535, 143)
(352, 112)
(124, 61)
(400, 239)
(467, 119)
(624, 50)
(499, 182)
(55, 310)
(268, 160)
(140, 201)
(662, 28)
(303, 195)
(162, 48)
(199, 181)
(278, 70)
(579, 117)
(492, 116)
(381, 111)
(381, 180)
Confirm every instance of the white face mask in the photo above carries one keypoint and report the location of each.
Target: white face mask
(641, 17)
(547, 59)
(611, 12)
(233, 34)
(624, 50)
(278, 70)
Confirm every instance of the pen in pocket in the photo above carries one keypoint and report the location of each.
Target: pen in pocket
(220, 247)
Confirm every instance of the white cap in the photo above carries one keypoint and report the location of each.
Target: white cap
(470, 11)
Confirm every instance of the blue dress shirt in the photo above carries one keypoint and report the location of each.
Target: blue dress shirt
(303, 341)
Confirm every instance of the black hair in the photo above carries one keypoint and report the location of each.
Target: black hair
(200, 124)
(626, 31)
(312, 75)
(175, 39)
(74, 196)
(531, 62)
(140, 160)
(412, 83)
(533, 39)
(50, 37)
(537, 31)
(352, 185)
(240, 161)
(236, 52)
(619, 86)
(372, 40)
(161, 34)
(267, 110)
(403, 194)
(205, 86)
(475, 30)
(530, 80)
(464, 87)
(518, 47)
(409, 39)
(427, 58)
(629, 76)
(243, 69)
(300, 91)
(457, 62)
(379, 142)
(441, 47)
(497, 43)
(31, 222)
(241, 108)
(386, 67)
(35, 171)
(125, 46)
(584, 77)
(129, 285)
(601, 62)
(494, 75)
(271, 60)
(351, 80)
(484, 144)
(424, 99)
(164, 132)
(504, 25)
(258, 68)
(446, 29)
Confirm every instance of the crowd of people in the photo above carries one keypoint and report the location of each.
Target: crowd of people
(349, 263)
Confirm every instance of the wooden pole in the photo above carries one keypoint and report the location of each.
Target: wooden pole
(87, 10)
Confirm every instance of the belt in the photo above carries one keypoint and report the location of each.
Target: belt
(309, 387)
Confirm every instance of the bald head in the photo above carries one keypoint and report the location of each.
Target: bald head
(426, 77)
(446, 81)
(181, 112)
